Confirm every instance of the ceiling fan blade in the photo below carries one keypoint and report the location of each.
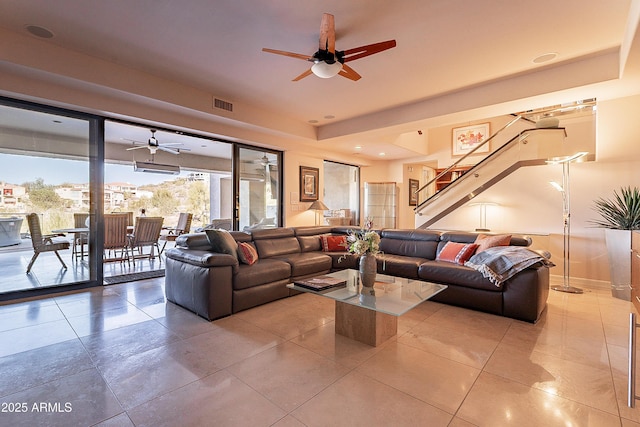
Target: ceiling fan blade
(289, 54)
(349, 73)
(168, 150)
(303, 75)
(328, 33)
(370, 49)
(137, 148)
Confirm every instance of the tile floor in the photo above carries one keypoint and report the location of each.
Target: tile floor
(122, 356)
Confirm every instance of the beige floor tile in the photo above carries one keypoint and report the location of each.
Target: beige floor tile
(288, 375)
(286, 323)
(469, 322)
(35, 315)
(232, 340)
(36, 336)
(617, 334)
(178, 320)
(440, 382)
(123, 342)
(217, 400)
(136, 379)
(562, 336)
(495, 401)
(627, 423)
(289, 421)
(121, 420)
(357, 400)
(458, 422)
(81, 399)
(581, 383)
(462, 346)
(325, 342)
(107, 320)
(621, 387)
(35, 367)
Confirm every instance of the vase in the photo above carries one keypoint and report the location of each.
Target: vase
(368, 269)
(618, 249)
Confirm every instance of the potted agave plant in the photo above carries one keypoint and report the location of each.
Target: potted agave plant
(619, 216)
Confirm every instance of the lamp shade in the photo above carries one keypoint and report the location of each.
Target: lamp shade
(325, 70)
(318, 206)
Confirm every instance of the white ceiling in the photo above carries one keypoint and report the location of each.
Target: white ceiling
(443, 47)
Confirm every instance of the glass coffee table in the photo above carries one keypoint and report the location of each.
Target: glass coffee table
(370, 315)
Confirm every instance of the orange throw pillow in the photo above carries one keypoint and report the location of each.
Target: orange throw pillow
(485, 241)
(457, 253)
(334, 243)
(247, 253)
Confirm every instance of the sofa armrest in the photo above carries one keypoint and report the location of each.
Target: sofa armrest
(201, 258)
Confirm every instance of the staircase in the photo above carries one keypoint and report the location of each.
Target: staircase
(529, 147)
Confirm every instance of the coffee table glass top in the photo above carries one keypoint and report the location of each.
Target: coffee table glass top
(390, 294)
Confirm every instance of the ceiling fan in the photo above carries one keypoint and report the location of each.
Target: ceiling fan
(154, 145)
(327, 61)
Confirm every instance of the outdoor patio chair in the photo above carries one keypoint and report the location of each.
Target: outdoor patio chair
(115, 237)
(80, 238)
(146, 233)
(183, 227)
(44, 243)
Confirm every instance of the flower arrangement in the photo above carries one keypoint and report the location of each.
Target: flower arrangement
(364, 240)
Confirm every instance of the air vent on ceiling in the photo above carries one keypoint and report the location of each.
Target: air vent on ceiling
(224, 105)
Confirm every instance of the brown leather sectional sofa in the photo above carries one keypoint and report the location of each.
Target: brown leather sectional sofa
(215, 285)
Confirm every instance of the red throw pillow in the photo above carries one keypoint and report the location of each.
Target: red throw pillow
(247, 253)
(334, 243)
(485, 241)
(457, 253)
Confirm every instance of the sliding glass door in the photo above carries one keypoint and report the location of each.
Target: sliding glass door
(258, 191)
(45, 169)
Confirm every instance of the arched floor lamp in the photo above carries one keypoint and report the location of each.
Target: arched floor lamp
(566, 217)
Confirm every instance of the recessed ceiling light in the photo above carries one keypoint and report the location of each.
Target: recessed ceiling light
(545, 57)
(358, 147)
(39, 31)
(313, 121)
(329, 117)
(56, 121)
(382, 154)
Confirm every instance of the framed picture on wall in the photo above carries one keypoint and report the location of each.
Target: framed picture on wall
(414, 184)
(309, 178)
(467, 138)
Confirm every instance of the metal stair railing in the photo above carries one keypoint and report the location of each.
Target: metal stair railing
(528, 148)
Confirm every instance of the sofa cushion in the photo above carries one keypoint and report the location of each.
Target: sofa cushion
(486, 241)
(343, 260)
(457, 253)
(305, 263)
(334, 243)
(455, 274)
(247, 253)
(397, 265)
(275, 241)
(262, 272)
(309, 243)
(412, 243)
(222, 241)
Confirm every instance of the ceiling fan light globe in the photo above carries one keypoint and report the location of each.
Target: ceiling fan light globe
(324, 70)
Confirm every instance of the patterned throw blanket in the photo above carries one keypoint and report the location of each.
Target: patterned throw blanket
(500, 263)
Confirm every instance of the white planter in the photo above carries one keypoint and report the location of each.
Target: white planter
(619, 251)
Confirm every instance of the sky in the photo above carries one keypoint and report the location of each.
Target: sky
(18, 169)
